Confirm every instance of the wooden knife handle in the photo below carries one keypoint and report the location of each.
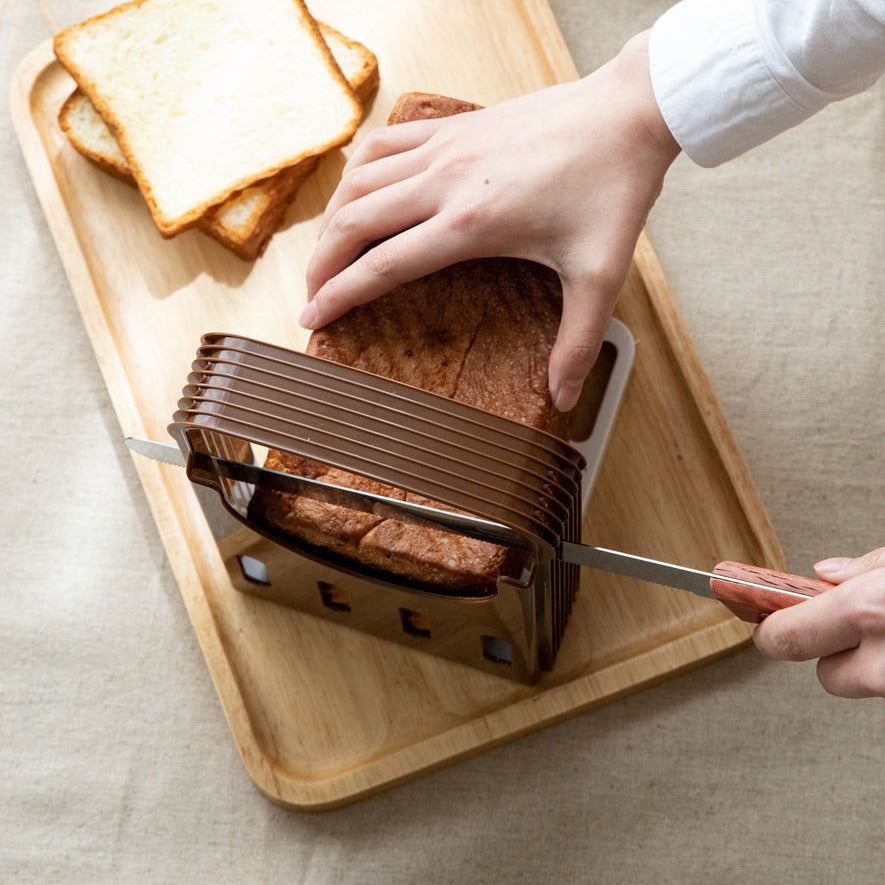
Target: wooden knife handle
(752, 603)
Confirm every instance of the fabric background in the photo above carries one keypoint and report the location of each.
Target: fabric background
(116, 763)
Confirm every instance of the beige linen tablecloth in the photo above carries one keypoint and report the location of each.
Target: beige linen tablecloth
(116, 764)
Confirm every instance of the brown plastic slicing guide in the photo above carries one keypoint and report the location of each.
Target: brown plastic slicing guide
(489, 478)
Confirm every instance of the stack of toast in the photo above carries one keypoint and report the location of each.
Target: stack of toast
(216, 110)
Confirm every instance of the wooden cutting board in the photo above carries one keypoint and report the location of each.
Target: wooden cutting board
(322, 714)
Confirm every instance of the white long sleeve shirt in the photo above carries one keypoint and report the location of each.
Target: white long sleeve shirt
(731, 74)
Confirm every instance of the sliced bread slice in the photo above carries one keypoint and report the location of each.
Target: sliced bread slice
(246, 221)
(206, 98)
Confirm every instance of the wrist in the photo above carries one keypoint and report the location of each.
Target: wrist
(631, 66)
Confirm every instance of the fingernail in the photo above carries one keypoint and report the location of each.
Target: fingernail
(832, 567)
(567, 395)
(308, 315)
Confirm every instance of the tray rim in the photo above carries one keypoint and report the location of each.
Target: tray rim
(540, 709)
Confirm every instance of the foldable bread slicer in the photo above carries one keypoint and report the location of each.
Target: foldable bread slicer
(486, 478)
(489, 478)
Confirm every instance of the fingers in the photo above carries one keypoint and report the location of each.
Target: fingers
(842, 568)
(586, 310)
(816, 628)
(360, 223)
(844, 628)
(390, 140)
(415, 252)
(856, 673)
(387, 158)
(376, 170)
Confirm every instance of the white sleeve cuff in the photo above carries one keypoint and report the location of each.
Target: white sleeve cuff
(722, 83)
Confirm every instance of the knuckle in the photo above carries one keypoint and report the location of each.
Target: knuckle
(604, 276)
(874, 559)
(578, 345)
(582, 354)
(785, 643)
(353, 181)
(346, 220)
(451, 160)
(864, 606)
(469, 217)
(374, 144)
(382, 262)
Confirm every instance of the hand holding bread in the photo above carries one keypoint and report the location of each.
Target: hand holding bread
(564, 176)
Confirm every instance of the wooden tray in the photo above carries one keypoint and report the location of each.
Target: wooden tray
(322, 714)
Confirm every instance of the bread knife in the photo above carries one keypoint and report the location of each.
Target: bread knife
(750, 592)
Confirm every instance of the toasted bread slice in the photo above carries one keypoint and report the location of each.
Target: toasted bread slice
(246, 221)
(208, 98)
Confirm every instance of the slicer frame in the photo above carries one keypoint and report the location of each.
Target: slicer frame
(513, 631)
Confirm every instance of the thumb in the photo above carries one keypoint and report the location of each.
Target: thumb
(586, 310)
(841, 568)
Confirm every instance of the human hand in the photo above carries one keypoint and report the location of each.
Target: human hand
(565, 176)
(844, 628)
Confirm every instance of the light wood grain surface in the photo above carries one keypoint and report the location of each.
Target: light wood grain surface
(319, 727)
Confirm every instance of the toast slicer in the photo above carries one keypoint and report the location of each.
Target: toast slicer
(471, 476)
(522, 483)
(465, 473)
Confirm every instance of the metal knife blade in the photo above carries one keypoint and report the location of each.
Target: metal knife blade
(483, 530)
(157, 451)
(750, 592)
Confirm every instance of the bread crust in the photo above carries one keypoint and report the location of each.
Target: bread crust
(103, 159)
(363, 82)
(427, 106)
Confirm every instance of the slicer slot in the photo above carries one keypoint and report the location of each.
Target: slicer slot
(249, 359)
(254, 570)
(415, 623)
(496, 650)
(333, 597)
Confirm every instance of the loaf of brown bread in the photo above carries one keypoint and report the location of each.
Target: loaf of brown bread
(479, 332)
